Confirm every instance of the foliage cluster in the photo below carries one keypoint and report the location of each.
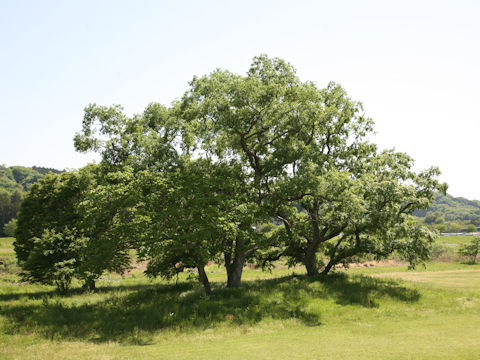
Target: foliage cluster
(470, 250)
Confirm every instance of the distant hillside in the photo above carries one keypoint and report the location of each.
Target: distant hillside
(20, 178)
(15, 181)
(449, 209)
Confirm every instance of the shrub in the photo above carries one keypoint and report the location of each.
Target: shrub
(471, 250)
(10, 227)
(442, 252)
(53, 259)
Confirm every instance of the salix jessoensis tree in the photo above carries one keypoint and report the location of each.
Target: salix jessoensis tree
(298, 152)
(274, 126)
(303, 151)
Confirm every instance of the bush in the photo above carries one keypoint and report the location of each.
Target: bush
(8, 265)
(471, 250)
(10, 227)
(471, 228)
(53, 259)
(442, 252)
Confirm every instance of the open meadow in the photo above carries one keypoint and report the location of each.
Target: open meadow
(361, 313)
(454, 240)
(235, 180)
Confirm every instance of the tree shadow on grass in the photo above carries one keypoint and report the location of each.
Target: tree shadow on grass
(469, 262)
(132, 316)
(35, 295)
(365, 290)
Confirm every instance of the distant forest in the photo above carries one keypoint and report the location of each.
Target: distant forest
(451, 214)
(15, 181)
(447, 214)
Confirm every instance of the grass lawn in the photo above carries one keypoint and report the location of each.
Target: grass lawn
(361, 313)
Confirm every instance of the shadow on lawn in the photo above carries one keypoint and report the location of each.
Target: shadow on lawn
(35, 295)
(132, 317)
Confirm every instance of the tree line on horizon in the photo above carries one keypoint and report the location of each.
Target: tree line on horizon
(241, 169)
(451, 214)
(15, 182)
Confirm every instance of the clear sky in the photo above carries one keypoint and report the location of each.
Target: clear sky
(415, 65)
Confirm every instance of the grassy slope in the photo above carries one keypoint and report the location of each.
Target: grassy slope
(428, 314)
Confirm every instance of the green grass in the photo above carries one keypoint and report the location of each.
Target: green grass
(455, 279)
(429, 267)
(454, 240)
(361, 313)
(6, 247)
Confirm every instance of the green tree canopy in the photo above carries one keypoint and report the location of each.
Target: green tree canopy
(295, 154)
(304, 154)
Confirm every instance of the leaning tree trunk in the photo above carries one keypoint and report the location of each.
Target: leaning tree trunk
(204, 279)
(334, 259)
(328, 267)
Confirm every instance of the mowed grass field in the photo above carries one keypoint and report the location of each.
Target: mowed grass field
(454, 240)
(361, 313)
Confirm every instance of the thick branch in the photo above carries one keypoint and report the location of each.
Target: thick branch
(405, 207)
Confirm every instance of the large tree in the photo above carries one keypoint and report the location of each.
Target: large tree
(299, 157)
(275, 127)
(308, 165)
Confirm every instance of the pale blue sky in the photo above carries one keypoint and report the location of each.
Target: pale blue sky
(414, 65)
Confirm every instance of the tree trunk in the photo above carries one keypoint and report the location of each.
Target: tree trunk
(310, 259)
(328, 268)
(89, 284)
(234, 272)
(234, 265)
(333, 258)
(204, 280)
